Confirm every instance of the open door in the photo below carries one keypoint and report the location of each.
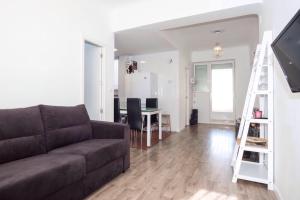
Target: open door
(93, 80)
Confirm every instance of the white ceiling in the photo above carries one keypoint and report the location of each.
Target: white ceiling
(118, 3)
(238, 31)
(141, 41)
(153, 38)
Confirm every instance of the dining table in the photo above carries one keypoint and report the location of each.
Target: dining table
(148, 112)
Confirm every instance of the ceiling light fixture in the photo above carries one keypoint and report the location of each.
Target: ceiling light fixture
(217, 31)
(218, 50)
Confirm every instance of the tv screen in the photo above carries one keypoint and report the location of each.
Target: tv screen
(287, 50)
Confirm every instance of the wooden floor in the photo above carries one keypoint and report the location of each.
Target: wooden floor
(135, 141)
(190, 165)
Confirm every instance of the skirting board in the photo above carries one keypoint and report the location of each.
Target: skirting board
(277, 193)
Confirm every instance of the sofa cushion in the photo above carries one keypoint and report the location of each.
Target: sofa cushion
(97, 152)
(65, 125)
(21, 133)
(37, 177)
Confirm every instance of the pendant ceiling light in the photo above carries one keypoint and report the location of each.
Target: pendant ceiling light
(218, 50)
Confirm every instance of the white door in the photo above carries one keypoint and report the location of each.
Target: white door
(92, 80)
(222, 92)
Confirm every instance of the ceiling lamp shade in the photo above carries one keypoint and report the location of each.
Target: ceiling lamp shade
(218, 50)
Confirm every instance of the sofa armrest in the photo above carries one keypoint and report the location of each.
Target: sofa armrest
(109, 130)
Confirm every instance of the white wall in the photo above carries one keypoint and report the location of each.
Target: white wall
(168, 81)
(275, 15)
(242, 70)
(42, 51)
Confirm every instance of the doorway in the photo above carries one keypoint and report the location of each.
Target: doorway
(213, 91)
(93, 87)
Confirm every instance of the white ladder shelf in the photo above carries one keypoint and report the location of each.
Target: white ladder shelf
(261, 171)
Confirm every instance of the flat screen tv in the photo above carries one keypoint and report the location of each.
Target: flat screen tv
(287, 50)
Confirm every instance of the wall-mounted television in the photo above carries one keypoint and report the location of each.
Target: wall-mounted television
(287, 50)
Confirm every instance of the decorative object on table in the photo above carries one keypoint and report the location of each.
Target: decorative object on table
(131, 66)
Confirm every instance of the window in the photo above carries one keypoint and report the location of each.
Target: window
(201, 78)
(222, 87)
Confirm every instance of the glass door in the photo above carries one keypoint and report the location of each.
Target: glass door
(222, 92)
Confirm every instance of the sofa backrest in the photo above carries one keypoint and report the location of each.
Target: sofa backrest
(65, 125)
(21, 133)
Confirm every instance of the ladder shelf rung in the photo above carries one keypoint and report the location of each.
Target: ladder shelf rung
(251, 171)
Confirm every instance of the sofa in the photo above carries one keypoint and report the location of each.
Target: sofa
(54, 152)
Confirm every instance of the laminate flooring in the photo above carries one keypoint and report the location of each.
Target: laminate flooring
(191, 165)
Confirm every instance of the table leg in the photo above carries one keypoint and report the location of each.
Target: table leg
(159, 127)
(148, 130)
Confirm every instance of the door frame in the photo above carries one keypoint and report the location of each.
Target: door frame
(209, 63)
(102, 97)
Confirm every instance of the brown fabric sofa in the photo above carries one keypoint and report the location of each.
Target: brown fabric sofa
(53, 152)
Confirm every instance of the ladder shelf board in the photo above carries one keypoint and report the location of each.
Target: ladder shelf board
(255, 172)
(256, 148)
(260, 148)
(259, 121)
(262, 92)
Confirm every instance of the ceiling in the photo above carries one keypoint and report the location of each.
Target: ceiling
(118, 3)
(141, 41)
(156, 38)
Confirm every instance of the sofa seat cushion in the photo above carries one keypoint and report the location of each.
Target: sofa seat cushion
(97, 152)
(39, 176)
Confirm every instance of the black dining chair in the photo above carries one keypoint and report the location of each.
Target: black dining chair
(152, 103)
(135, 120)
(117, 114)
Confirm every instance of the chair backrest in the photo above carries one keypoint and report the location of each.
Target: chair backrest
(134, 112)
(117, 114)
(151, 103)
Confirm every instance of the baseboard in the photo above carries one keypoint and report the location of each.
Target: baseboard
(277, 193)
